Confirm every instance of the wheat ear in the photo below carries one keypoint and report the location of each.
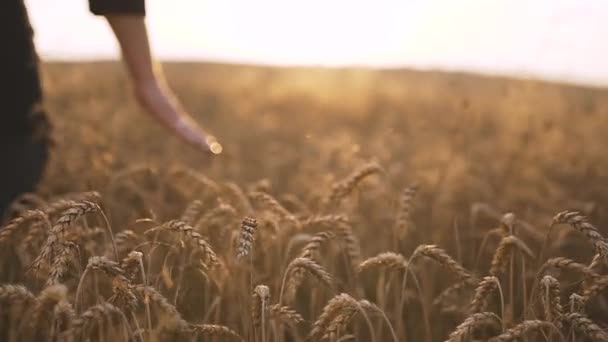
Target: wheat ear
(482, 294)
(551, 300)
(504, 250)
(522, 329)
(580, 223)
(221, 331)
(470, 323)
(345, 187)
(247, 237)
(586, 326)
(444, 259)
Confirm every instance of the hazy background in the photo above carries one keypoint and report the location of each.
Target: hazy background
(551, 39)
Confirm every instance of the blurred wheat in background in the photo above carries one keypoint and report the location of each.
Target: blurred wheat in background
(349, 205)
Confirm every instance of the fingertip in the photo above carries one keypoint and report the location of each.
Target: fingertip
(215, 148)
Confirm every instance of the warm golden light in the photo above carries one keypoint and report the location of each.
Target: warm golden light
(547, 38)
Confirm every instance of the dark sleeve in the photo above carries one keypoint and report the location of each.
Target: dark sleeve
(103, 7)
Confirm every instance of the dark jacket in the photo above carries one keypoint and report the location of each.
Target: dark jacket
(24, 126)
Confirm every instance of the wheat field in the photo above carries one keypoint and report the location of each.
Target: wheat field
(349, 205)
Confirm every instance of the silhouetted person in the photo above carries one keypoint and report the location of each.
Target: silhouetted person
(25, 130)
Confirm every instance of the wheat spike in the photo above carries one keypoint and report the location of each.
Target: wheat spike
(64, 316)
(571, 265)
(67, 219)
(247, 238)
(30, 216)
(217, 215)
(271, 203)
(60, 264)
(192, 212)
(586, 326)
(126, 241)
(285, 314)
(345, 187)
(596, 263)
(330, 311)
(309, 251)
(94, 314)
(482, 294)
(260, 299)
(131, 264)
(504, 250)
(471, 323)
(327, 221)
(45, 303)
(198, 177)
(596, 287)
(109, 267)
(337, 326)
(216, 330)
(149, 294)
(551, 300)
(450, 292)
(522, 329)
(404, 219)
(210, 259)
(16, 293)
(387, 259)
(444, 259)
(299, 264)
(580, 223)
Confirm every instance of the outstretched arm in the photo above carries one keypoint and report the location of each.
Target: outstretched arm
(149, 84)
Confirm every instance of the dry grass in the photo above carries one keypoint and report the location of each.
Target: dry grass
(391, 189)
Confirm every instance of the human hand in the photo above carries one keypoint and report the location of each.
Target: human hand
(158, 100)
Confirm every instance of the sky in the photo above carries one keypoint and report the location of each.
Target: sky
(563, 40)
